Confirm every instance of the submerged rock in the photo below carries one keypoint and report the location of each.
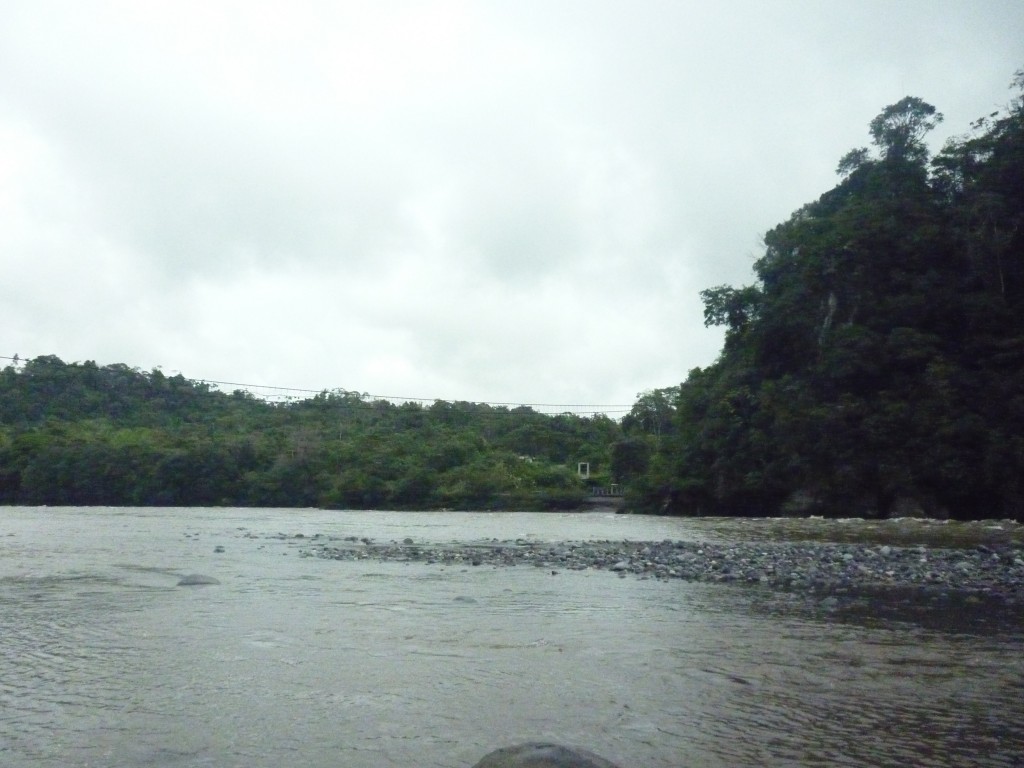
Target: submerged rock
(196, 580)
(539, 755)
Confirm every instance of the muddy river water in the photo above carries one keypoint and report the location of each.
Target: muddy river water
(297, 661)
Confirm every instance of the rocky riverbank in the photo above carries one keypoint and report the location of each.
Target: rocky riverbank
(824, 569)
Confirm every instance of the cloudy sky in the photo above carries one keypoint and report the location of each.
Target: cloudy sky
(507, 201)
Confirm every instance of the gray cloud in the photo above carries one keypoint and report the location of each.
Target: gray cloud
(514, 201)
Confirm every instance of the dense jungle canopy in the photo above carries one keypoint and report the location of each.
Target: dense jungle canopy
(875, 367)
(83, 434)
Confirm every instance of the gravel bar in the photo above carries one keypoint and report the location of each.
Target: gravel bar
(822, 568)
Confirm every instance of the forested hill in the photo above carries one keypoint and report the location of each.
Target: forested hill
(875, 367)
(82, 434)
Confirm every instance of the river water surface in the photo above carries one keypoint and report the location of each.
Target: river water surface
(298, 661)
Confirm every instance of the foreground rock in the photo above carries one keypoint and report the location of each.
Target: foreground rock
(538, 755)
(196, 580)
(993, 573)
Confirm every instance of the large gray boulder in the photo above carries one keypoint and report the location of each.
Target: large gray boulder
(540, 755)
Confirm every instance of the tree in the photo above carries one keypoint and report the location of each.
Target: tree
(735, 308)
(900, 129)
(852, 160)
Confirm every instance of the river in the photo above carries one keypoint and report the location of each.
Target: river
(299, 661)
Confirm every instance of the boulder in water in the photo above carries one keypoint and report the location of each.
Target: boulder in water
(196, 580)
(541, 755)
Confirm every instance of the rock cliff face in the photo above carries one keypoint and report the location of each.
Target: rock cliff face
(539, 755)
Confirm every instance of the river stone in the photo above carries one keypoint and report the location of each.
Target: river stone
(196, 580)
(539, 755)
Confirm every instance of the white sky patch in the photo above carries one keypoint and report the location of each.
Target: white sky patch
(505, 201)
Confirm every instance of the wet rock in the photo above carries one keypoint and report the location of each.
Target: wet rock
(539, 755)
(196, 580)
(829, 604)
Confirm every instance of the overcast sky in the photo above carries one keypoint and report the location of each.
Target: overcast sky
(492, 201)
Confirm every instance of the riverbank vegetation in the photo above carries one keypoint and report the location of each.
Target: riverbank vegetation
(82, 434)
(874, 368)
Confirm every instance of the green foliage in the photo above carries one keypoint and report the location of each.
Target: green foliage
(853, 160)
(877, 365)
(735, 308)
(899, 130)
(81, 434)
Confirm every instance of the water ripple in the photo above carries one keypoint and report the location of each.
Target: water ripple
(103, 661)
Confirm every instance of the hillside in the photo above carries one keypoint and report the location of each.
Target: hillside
(875, 366)
(81, 434)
